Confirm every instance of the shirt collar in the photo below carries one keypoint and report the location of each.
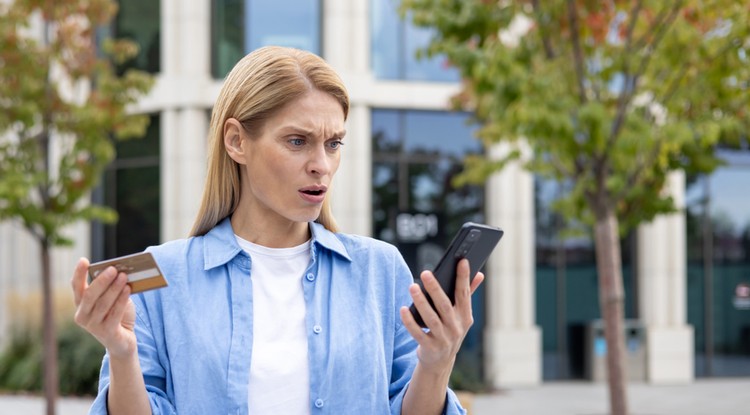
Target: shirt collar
(328, 240)
(220, 245)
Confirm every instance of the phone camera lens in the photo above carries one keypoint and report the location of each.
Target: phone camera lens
(473, 235)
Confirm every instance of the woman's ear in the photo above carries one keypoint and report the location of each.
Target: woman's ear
(234, 138)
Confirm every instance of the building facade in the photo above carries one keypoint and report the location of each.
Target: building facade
(536, 314)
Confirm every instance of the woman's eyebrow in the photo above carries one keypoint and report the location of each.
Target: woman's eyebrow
(291, 129)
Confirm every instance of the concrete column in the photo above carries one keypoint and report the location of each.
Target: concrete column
(186, 63)
(352, 186)
(183, 169)
(512, 341)
(346, 49)
(19, 274)
(346, 35)
(662, 292)
(169, 37)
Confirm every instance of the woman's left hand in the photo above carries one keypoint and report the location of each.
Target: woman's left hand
(448, 326)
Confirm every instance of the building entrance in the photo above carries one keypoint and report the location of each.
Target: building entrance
(416, 206)
(718, 228)
(567, 294)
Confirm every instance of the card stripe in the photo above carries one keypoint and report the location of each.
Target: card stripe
(142, 275)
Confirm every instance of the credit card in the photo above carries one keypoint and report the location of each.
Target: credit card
(143, 272)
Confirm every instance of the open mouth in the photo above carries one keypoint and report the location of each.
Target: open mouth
(313, 192)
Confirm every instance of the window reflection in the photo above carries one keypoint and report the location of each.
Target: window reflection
(416, 155)
(292, 23)
(718, 241)
(395, 42)
(139, 21)
(240, 27)
(227, 36)
(131, 187)
(567, 294)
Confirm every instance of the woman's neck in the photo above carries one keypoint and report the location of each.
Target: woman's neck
(270, 233)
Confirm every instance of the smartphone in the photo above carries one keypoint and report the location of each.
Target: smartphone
(143, 272)
(475, 242)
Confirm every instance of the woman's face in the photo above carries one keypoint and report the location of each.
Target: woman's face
(290, 163)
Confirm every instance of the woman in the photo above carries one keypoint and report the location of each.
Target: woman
(269, 310)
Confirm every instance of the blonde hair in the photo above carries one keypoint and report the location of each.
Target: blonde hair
(258, 86)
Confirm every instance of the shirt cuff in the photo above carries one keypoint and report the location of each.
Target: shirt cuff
(452, 404)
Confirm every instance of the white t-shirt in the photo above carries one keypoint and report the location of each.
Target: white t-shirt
(279, 367)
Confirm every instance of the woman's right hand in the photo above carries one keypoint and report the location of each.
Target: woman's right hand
(104, 309)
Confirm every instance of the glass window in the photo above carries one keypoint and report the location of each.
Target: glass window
(395, 42)
(416, 155)
(240, 27)
(139, 21)
(416, 206)
(131, 186)
(567, 285)
(718, 240)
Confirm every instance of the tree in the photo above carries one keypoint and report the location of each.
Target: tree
(61, 102)
(609, 96)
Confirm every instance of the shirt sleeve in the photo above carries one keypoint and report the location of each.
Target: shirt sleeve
(154, 374)
(405, 349)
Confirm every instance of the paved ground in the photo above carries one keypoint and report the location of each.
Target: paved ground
(34, 405)
(703, 397)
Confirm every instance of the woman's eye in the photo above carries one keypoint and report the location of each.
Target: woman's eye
(334, 145)
(296, 141)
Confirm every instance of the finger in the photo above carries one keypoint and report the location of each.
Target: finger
(107, 300)
(78, 282)
(412, 326)
(95, 290)
(463, 288)
(114, 316)
(430, 318)
(477, 281)
(439, 298)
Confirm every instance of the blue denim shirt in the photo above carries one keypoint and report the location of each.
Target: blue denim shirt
(195, 336)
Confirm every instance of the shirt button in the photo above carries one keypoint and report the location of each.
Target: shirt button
(311, 277)
(317, 329)
(318, 403)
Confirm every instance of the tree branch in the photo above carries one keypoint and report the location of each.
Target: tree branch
(634, 14)
(548, 51)
(672, 88)
(624, 98)
(633, 178)
(658, 21)
(555, 162)
(577, 52)
(631, 80)
(658, 37)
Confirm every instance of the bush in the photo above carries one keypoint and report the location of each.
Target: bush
(79, 359)
(467, 375)
(21, 363)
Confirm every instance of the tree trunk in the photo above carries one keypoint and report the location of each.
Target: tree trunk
(50, 339)
(611, 299)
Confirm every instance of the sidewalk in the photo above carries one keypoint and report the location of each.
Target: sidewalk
(702, 397)
(34, 405)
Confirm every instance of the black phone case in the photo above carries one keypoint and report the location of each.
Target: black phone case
(474, 242)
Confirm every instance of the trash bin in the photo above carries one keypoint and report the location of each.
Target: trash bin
(635, 351)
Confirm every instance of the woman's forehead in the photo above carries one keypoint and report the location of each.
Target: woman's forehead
(314, 113)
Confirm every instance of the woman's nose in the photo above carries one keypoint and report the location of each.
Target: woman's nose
(319, 163)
